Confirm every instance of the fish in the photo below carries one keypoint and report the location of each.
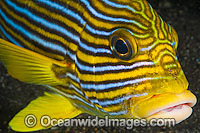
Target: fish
(113, 58)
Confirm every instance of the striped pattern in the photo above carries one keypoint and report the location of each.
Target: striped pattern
(79, 31)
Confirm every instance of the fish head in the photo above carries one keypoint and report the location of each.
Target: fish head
(166, 92)
(143, 78)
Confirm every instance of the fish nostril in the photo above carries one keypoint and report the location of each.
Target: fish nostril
(172, 69)
(170, 66)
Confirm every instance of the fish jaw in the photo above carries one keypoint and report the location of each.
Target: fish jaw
(172, 105)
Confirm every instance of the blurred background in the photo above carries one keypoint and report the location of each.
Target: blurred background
(183, 15)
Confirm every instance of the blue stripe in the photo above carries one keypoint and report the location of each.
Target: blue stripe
(43, 21)
(75, 16)
(71, 86)
(148, 48)
(108, 68)
(80, 99)
(83, 101)
(91, 105)
(118, 5)
(118, 113)
(108, 86)
(63, 9)
(149, 5)
(113, 85)
(116, 101)
(113, 68)
(72, 56)
(94, 50)
(57, 28)
(94, 12)
(153, 45)
(32, 36)
(104, 103)
(95, 31)
(73, 77)
(71, 96)
(9, 37)
(75, 88)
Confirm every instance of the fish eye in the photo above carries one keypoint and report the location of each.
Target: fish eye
(121, 48)
(123, 44)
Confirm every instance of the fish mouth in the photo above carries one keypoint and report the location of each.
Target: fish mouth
(177, 106)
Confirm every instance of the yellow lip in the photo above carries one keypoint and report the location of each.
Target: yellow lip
(171, 105)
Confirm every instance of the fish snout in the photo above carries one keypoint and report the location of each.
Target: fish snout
(177, 106)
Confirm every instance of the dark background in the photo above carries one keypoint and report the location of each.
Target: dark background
(183, 15)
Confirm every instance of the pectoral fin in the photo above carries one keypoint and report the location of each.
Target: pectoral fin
(52, 105)
(31, 67)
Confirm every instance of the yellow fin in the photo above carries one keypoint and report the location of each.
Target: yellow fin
(31, 67)
(53, 105)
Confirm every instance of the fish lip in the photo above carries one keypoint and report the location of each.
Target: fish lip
(173, 105)
(185, 98)
(170, 107)
(176, 114)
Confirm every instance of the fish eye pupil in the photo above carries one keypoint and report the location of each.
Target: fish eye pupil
(121, 47)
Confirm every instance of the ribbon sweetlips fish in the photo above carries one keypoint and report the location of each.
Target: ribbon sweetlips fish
(113, 58)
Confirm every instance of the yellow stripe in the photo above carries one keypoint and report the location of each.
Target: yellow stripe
(147, 11)
(175, 37)
(53, 15)
(68, 91)
(119, 92)
(111, 12)
(154, 13)
(159, 47)
(72, 46)
(169, 37)
(94, 39)
(146, 41)
(114, 108)
(33, 27)
(161, 54)
(163, 28)
(158, 22)
(135, 4)
(99, 59)
(123, 75)
(66, 21)
(30, 45)
(96, 22)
